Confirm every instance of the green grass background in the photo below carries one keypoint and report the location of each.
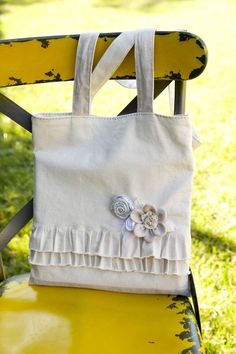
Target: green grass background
(211, 103)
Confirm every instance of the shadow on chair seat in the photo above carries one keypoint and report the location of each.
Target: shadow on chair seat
(41, 319)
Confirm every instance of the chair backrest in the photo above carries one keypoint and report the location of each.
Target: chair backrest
(179, 56)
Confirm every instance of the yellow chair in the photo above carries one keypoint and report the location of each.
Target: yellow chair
(40, 319)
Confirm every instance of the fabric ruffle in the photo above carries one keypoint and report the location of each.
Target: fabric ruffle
(106, 243)
(84, 247)
(143, 265)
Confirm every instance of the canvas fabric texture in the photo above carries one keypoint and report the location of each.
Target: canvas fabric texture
(112, 195)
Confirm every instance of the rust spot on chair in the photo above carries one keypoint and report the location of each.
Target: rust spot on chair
(184, 37)
(44, 43)
(199, 43)
(194, 73)
(49, 73)
(17, 81)
(203, 59)
(174, 76)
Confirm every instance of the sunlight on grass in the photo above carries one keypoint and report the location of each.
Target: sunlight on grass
(210, 101)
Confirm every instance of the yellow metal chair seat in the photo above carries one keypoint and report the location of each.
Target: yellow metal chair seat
(40, 319)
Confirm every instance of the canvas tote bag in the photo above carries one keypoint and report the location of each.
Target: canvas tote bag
(112, 194)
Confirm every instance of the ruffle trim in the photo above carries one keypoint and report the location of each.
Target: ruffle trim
(144, 265)
(104, 243)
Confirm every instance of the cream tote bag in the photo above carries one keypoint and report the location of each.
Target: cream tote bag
(112, 194)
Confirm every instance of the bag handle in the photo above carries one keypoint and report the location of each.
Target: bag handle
(144, 64)
(83, 68)
(87, 84)
(111, 60)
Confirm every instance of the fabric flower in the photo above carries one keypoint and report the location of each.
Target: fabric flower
(122, 206)
(129, 224)
(149, 222)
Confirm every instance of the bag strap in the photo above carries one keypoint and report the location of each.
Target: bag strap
(144, 64)
(87, 84)
(111, 60)
(83, 68)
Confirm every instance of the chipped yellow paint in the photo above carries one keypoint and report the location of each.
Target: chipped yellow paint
(34, 60)
(29, 61)
(38, 319)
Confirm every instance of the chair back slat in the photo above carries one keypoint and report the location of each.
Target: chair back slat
(178, 56)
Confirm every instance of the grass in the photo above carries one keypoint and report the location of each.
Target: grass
(211, 104)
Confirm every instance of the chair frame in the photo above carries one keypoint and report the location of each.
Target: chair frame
(23, 118)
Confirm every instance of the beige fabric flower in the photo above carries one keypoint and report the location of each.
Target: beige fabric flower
(149, 222)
